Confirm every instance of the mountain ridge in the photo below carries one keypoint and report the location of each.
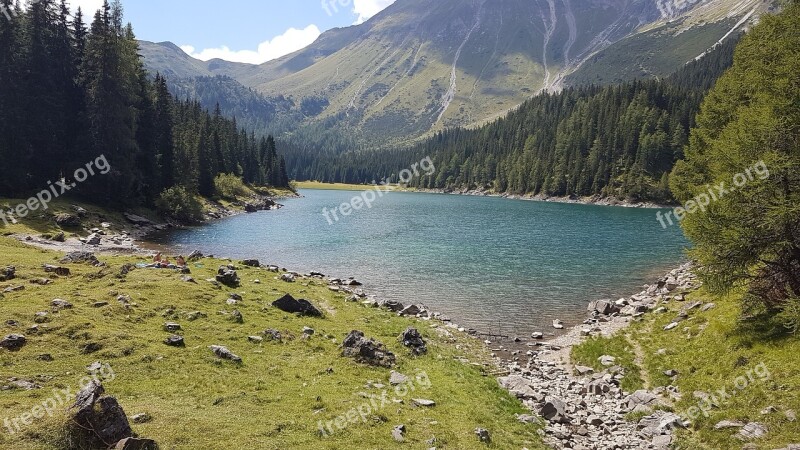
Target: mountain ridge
(419, 66)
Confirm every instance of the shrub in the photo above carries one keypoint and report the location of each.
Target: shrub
(180, 204)
(229, 186)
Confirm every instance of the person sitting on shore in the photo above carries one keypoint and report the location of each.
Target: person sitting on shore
(180, 262)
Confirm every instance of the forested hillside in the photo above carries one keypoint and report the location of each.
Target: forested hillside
(619, 141)
(69, 95)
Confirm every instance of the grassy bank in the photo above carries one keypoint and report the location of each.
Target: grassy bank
(275, 399)
(754, 361)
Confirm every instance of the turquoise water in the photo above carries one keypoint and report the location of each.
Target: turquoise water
(493, 264)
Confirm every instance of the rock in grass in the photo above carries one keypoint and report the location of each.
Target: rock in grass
(172, 327)
(751, 431)
(367, 351)
(399, 432)
(483, 435)
(396, 378)
(223, 353)
(728, 424)
(413, 340)
(99, 417)
(9, 273)
(251, 263)
(58, 270)
(13, 342)
(274, 335)
(424, 402)
(142, 418)
(175, 341)
(289, 304)
(228, 277)
(59, 304)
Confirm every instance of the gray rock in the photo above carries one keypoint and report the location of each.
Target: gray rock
(517, 385)
(751, 431)
(251, 263)
(367, 351)
(642, 397)
(288, 304)
(274, 335)
(396, 378)
(175, 341)
(58, 270)
(728, 424)
(411, 310)
(483, 435)
(13, 342)
(67, 220)
(554, 410)
(99, 417)
(583, 370)
(308, 331)
(172, 327)
(607, 360)
(141, 418)
(228, 277)
(671, 326)
(537, 335)
(223, 353)
(423, 402)
(59, 304)
(412, 339)
(399, 432)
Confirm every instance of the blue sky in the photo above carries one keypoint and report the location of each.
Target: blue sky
(252, 31)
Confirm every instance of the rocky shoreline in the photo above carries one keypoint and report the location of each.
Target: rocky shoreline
(590, 200)
(584, 410)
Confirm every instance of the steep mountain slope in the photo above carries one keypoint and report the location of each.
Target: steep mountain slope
(422, 65)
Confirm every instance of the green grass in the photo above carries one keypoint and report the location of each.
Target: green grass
(711, 351)
(274, 399)
(589, 352)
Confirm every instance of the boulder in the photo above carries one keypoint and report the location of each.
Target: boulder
(605, 307)
(175, 341)
(99, 417)
(413, 340)
(396, 378)
(518, 386)
(59, 304)
(483, 435)
(274, 335)
(425, 403)
(67, 220)
(13, 342)
(751, 431)
(228, 277)
(642, 397)
(80, 257)
(399, 432)
(288, 277)
(92, 239)
(223, 353)
(393, 306)
(251, 263)
(172, 327)
(137, 220)
(411, 310)
(554, 410)
(58, 270)
(729, 424)
(9, 273)
(367, 351)
(288, 304)
(558, 324)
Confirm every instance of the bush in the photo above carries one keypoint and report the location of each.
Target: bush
(180, 204)
(229, 186)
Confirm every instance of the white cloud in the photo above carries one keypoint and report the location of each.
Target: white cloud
(368, 8)
(290, 41)
(88, 7)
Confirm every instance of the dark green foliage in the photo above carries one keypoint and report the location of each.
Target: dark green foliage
(748, 138)
(68, 96)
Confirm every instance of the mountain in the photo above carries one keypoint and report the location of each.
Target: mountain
(421, 65)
